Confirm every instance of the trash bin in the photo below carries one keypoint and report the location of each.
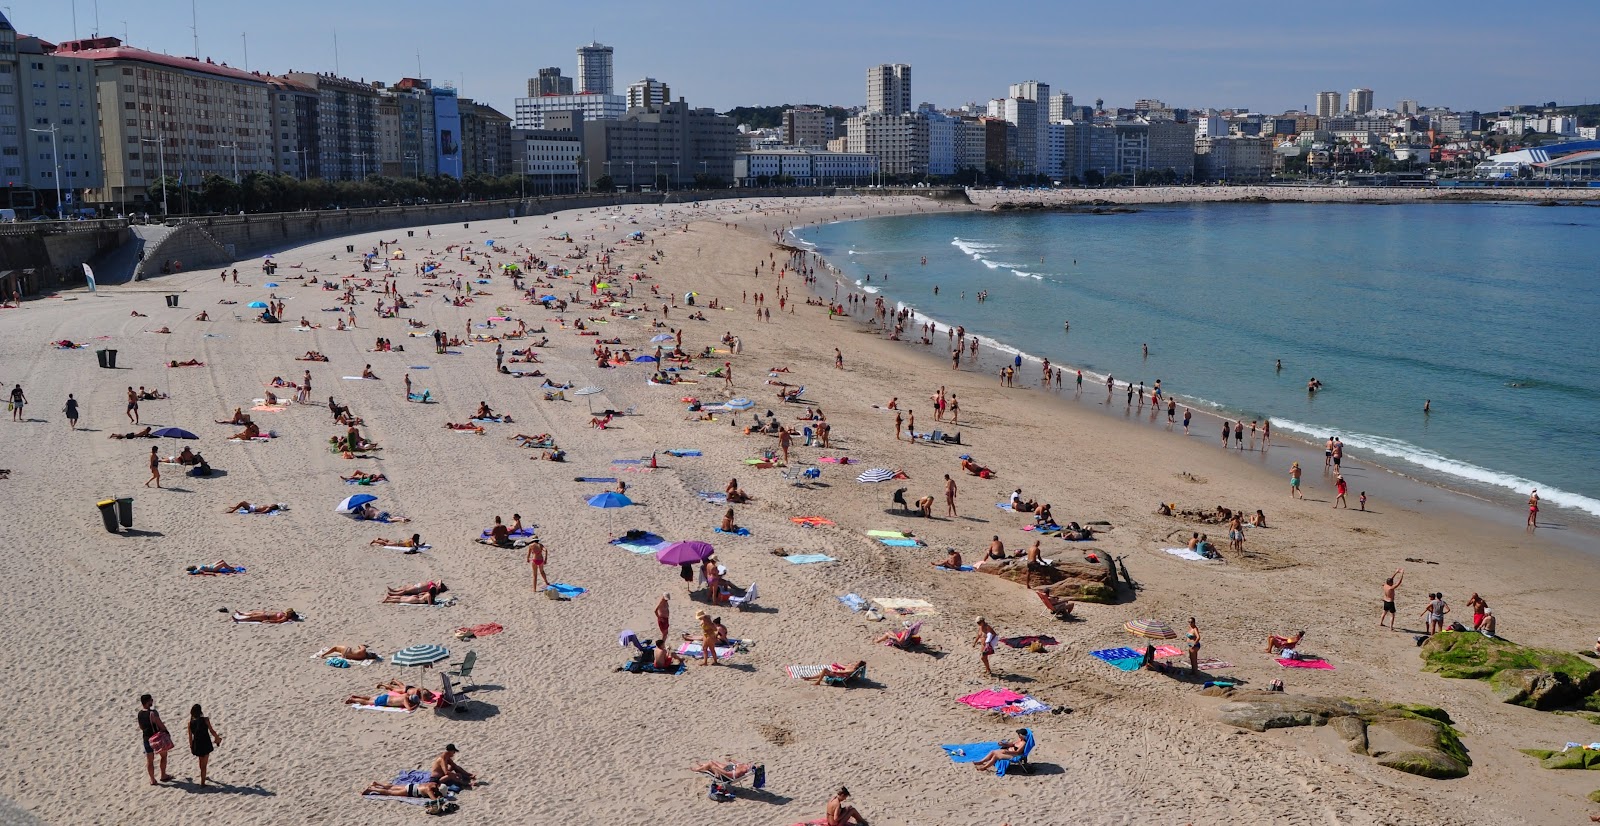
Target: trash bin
(125, 511)
(463, 226)
(111, 359)
(100, 356)
(349, 247)
(108, 512)
(172, 301)
(411, 233)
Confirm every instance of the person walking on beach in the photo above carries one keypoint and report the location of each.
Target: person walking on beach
(898, 421)
(1187, 415)
(537, 556)
(203, 738)
(1266, 434)
(1533, 509)
(155, 468)
(408, 387)
(1340, 488)
(150, 725)
(784, 441)
(71, 411)
(955, 410)
(1193, 637)
(1226, 429)
(18, 400)
(727, 375)
(949, 495)
(1294, 482)
(133, 407)
(1327, 453)
(1238, 434)
(1390, 585)
(985, 642)
(838, 359)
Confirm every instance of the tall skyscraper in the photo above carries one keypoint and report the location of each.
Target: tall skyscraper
(1039, 93)
(549, 82)
(594, 69)
(889, 88)
(1360, 101)
(1327, 104)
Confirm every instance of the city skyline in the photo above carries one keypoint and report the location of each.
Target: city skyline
(1232, 62)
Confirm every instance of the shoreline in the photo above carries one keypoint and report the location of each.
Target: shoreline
(1490, 502)
(991, 199)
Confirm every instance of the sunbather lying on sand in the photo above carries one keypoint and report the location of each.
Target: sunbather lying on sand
(217, 568)
(246, 507)
(414, 542)
(553, 456)
(271, 617)
(362, 476)
(406, 698)
(464, 426)
(189, 363)
(251, 430)
(239, 417)
(976, 469)
(724, 770)
(419, 588)
(426, 597)
(836, 670)
(349, 652)
(137, 434)
(370, 512)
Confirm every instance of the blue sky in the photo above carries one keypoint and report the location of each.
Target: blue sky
(1228, 53)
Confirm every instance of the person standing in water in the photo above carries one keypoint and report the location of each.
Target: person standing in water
(1533, 509)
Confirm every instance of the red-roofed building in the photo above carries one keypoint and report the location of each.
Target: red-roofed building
(183, 116)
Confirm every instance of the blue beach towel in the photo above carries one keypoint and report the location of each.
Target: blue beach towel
(969, 752)
(961, 570)
(735, 532)
(853, 602)
(1125, 659)
(714, 497)
(682, 453)
(806, 559)
(412, 776)
(901, 543)
(597, 479)
(627, 461)
(565, 590)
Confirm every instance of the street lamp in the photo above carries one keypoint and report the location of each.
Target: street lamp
(632, 181)
(55, 159)
(235, 148)
(161, 144)
(363, 157)
(674, 175)
(302, 154)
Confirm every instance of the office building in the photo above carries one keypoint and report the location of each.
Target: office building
(808, 126)
(803, 167)
(1327, 104)
(889, 89)
(529, 113)
(186, 117)
(648, 92)
(672, 142)
(1233, 158)
(292, 129)
(55, 93)
(1170, 146)
(1360, 102)
(551, 158)
(549, 82)
(898, 141)
(594, 70)
(347, 125)
(486, 147)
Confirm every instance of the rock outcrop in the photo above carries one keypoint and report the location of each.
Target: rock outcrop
(1081, 581)
(1533, 677)
(1414, 739)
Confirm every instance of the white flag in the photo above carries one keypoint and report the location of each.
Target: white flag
(89, 275)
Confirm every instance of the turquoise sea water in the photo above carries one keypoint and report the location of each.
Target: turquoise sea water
(1491, 311)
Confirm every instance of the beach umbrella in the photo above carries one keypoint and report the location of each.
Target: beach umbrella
(257, 305)
(684, 553)
(642, 359)
(173, 433)
(610, 500)
(586, 392)
(661, 338)
(739, 404)
(272, 283)
(423, 655)
(352, 503)
(1151, 629)
(877, 474)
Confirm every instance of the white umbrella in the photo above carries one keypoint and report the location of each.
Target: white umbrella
(877, 474)
(588, 391)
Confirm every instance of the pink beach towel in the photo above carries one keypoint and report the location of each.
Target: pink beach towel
(990, 698)
(1320, 665)
(1166, 651)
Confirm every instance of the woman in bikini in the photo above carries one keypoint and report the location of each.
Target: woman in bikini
(426, 597)
(269, 617)
(1193, 636)
(728, 525)
(414, 542)
(349, 652)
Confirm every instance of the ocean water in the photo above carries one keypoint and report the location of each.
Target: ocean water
(1490, 311)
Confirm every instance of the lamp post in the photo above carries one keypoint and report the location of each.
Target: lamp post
(674, 175)
(363, 157)
(302, 154)
(705, 177)
(632, 181)
(55, 159)
(161, 144)
(235, 148)
(656, 177)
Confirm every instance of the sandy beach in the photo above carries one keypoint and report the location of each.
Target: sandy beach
(558, 733)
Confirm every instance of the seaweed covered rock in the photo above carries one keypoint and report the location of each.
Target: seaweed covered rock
(1533, 677)
(1081, 581)
(1578, 758)
(1414, 739)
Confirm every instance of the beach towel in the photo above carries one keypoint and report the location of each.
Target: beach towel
(566, 591)
(627, 461)
(364, 482)
(1164, 652)
(810, 521)
(417, 550)
(905, 607)
(969, 752)
(835, 460)
(734, 532)
(990, 698)
(964, 569)
(487, 629)
(381, 708)
(694, 650)
(1024, 642)
(683, 453)
(1316, 664)
(413, 776)
(269, 408)
(1211, 664)
(1125, 659)
(902, 543)
(802, 672)
(807, 559)
(641, 668)
(525, 532)
(1025, 706)
(355, 378)
(236, 570)
(1185, 553)
(714, 497)
(853, 602)
(607, 480)
(887, 534)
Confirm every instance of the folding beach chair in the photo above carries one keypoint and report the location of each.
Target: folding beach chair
(749, 598)
(907, 637)
(846, 680)
(1019, 764)
(1061, 608)
(900, 499)
(448, 698)
(464, 668)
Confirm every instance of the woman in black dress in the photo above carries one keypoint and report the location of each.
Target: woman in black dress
(203, 738)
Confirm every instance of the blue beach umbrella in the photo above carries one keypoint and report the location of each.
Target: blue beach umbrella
(353, 503)
(272, 283)
(663, 337)
(257, 305)
(642, 359)
(173, 433)
(610, 500)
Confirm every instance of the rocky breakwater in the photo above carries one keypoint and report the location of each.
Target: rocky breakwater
(1417, 740)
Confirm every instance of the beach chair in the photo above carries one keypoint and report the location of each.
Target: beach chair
(1061, 608)
(795, 394)
(1018, 764)
(907, 637)
(900, 499)
(757, 776)
(749, 598)
(845, 681)
(464, 668)
(448, 698)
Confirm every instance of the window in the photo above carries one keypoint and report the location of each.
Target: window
(127, 72)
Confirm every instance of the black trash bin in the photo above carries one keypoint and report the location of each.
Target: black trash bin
(349, 247)
(100, 356)
(111, 359)
(108, 513)
(125, 511)
(411, 233)
(172, 301)
(464, 226)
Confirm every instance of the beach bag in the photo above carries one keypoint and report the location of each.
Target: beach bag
(1456, 626)
(161, 742)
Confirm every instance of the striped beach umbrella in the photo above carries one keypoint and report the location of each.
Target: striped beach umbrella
(873, 475)
(739, 404)
(1150, 629)
(424, 655)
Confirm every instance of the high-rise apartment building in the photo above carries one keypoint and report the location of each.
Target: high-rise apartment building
(549, 82)
(293, 128)
(1360, 101)
(889, 89)
(1409, 108)
(594, 69)
(56, 93)
(899, 142)
(647, 92)
(486, 145)
(1039, 93)
(347, 125)
(1022, 154)
(808, 126)
(1060, 107)
(1327, 104)
(185, 117)
(10, 121)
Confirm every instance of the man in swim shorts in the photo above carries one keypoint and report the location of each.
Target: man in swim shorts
(1389, 587)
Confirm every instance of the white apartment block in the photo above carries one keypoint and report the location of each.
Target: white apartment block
(1234, 158)
(941, 143)
(1060, 107)
(808, 167)
(1208, 124)
(57, 93)
(1327, 104)
(529, 112)
(1039, 93)
(550, 160)
(594, 69)
(647, 92)
(889, 89)
(899, 142)
(1360, 101)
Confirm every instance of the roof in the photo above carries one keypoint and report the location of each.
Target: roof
(114, 50)
(1587, 156)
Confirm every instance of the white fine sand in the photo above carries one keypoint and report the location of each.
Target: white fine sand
(93, 620)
